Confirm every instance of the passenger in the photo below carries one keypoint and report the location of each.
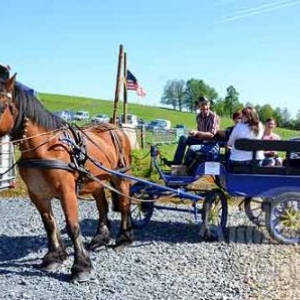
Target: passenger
(271, 157)
(223, 135)
(236, 118)
(251, 128)
(207, 126)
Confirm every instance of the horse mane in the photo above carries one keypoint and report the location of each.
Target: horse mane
(29, 106)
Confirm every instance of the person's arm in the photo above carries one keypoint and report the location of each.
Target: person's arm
(209, 134)
(272, 153)
(201, 134)
(232, 136)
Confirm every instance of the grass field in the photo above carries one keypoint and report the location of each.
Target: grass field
(141, 161)
(148, 113)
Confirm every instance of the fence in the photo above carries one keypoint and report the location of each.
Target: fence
(170, 136)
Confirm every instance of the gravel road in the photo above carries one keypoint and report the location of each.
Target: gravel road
(166, 261)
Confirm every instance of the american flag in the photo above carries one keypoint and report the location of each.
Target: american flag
(133, 85)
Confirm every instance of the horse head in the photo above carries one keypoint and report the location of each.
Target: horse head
(8, 112)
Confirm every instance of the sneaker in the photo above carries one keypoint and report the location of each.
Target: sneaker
(167, 162)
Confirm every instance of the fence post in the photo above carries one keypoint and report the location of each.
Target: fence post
(143, 130)
(179, 132)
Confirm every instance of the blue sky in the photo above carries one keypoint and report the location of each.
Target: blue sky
(71, 47)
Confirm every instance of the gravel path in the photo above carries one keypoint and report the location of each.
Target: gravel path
(166, 261)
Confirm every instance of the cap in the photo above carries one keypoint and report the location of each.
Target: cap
(201, 100)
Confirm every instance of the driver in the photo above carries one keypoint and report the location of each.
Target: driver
(201, 139)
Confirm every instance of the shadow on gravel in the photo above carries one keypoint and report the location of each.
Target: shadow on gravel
(13, 247)
(171, 232)
(32, 270)
(247, 235)
(181, 232)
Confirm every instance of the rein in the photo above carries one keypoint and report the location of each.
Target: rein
(9, 169)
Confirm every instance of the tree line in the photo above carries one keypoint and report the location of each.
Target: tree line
(182, 95)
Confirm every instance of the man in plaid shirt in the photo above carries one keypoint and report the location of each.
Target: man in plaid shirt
(208, 124)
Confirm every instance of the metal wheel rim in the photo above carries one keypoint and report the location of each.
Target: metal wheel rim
(285, 220)
(141, 212)
(217, 217)
(254, 211)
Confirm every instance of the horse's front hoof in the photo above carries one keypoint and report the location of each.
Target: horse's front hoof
(50, 267)
(52, 261)
(124, 238)
(97, 242)
(81, 277)
(122, 242)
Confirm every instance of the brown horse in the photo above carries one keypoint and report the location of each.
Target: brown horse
(60, 161)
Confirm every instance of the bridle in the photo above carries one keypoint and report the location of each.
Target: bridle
(6, 103)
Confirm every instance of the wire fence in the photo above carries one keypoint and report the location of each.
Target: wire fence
(170, 136)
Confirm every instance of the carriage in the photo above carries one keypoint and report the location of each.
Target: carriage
(63, 161)
(271, 195)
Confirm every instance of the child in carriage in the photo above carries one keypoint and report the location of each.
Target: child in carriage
(271, 157)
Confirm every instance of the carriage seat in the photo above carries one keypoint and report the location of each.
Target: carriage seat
(290, 166)
(194, 158)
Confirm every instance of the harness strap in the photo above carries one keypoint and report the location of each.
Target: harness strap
(37, 163)
(117, 142)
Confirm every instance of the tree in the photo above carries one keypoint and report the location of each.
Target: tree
(278, 116)
(174, 92)
(266, 111)
(196, 88)
(231, 100)
(285, 117)
(219, 107)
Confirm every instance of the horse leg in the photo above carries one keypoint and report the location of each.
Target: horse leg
(56, 249)
(125, 235)
(82, 266)
(102, 235)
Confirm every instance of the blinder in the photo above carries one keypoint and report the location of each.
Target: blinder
(6, 103)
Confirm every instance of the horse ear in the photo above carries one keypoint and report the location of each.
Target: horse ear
(10, 83)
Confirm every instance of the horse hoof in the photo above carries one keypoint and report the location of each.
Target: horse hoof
(54, 266)
(121, 245)
(97, 243)
(82, 277)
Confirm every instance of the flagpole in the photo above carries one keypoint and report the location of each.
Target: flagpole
(118, 85)
(125, 88)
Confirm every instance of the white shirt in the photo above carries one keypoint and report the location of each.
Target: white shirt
(240, 131)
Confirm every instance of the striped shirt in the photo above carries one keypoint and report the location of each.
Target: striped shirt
(208, 123)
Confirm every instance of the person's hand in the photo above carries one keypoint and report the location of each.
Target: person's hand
(192, 132)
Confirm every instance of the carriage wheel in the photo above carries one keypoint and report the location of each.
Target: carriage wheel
(283, 218)
(214, 215)
(254, 211)
(220, 181)
(141, 211)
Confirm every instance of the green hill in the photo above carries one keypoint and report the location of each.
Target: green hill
(148, 113)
